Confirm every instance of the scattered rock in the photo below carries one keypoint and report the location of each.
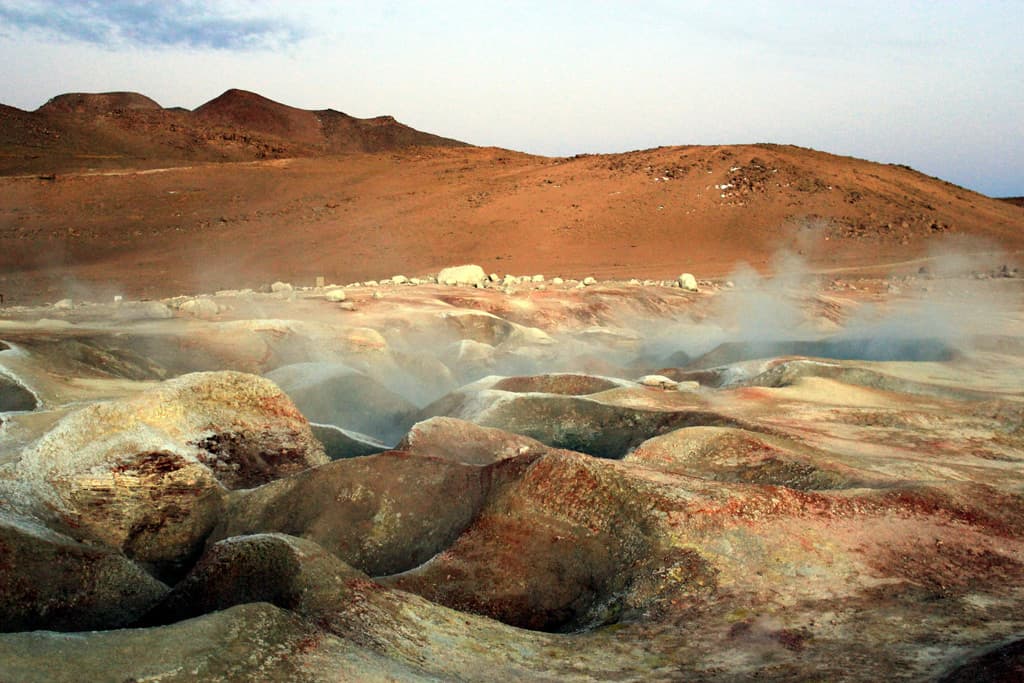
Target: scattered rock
(557, 281)
(587, 281)
(64, 304)
(281, 288)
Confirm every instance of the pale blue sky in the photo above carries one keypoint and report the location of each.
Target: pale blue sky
(936, 85)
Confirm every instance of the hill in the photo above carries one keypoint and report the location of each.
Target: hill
(652, 213)
(118, 130)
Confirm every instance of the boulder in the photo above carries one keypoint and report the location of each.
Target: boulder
(281, 288)
(50, 581)
(688, 282)
(399, 280)
(557, 281)
(462, 275)
(588, 281)
(148, 474)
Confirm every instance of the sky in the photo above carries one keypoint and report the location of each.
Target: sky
(937, 85)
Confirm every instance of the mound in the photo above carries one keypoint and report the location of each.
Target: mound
(97, 103)
(257, 114)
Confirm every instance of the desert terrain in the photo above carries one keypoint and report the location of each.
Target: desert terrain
(696, 413)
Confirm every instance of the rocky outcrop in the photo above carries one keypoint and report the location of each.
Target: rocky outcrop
(148, 474)
(379, 514)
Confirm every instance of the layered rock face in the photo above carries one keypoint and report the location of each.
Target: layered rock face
(581, 508)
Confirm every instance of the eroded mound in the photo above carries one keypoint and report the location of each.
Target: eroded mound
(380, 514)
(736, 455)
(572, 422)
(559, 384)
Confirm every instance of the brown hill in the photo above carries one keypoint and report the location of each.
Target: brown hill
(79, 131)
(259, 115)
(652, 213)
(97, 103)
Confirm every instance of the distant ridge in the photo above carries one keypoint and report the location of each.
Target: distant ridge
(80, 131)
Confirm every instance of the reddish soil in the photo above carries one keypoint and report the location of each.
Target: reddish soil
(113, 194)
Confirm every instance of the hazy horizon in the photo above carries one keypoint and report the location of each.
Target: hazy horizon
(930, 85)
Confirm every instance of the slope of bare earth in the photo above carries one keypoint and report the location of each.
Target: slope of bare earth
(363, 216)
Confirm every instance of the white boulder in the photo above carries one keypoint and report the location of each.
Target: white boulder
(462, 275)
(688, 282)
